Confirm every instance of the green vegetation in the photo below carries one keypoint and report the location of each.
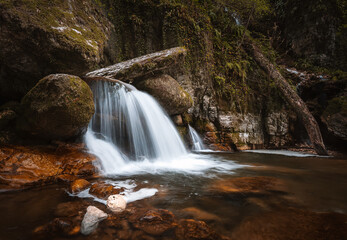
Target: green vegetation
(59, 18)
(208, 30)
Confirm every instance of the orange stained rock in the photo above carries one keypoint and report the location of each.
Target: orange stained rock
(27, 165)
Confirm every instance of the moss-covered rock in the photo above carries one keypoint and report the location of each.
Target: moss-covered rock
(60, 106)
(40, 37)
(169, 93)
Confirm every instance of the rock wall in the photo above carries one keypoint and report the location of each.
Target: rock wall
(41, 37)
(219, 79)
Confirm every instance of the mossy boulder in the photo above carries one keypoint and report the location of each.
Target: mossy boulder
(169, 93)
(59, 107)
(40, 37)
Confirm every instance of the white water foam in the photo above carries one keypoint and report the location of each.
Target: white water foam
(129, 194)
(282, 152)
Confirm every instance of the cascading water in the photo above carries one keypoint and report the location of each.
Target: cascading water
(131, 125)
(197, 143)
(131, 134)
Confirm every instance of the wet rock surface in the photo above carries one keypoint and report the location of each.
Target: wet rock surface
(103, 190)
(79, 185)
(194, 230)
(22, 166)
(154, 222)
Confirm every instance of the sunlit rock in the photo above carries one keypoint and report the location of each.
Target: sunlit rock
(79, 185)
(22, 166)
(103, 190)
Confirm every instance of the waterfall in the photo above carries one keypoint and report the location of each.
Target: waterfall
(129, 125)
(198, 145)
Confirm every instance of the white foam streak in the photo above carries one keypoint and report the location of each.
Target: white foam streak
(282, 152)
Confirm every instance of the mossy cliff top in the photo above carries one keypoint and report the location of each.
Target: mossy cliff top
(40, 37)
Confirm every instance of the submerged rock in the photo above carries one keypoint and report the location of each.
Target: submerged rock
(22, 166)
(154, 221)
(116, 203)
(59, 107)
(41, 37)
(247, 185)
(91, 220)
(189, 229)
(169, 93)
(200, 214)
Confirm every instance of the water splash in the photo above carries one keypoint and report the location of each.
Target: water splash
(197, 142)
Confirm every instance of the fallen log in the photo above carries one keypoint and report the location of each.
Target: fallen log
(141, 66)
(290, 95)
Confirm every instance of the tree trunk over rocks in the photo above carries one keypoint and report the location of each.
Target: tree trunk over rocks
(291, 96)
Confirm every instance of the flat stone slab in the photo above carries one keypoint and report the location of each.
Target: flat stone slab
(141, 66)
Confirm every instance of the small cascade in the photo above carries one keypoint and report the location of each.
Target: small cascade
(129, 125)
(198, 145)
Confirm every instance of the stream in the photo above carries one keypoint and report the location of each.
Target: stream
(312, 184)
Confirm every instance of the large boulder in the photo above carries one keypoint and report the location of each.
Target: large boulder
(59, 107)
(169, 93)
(40, 37)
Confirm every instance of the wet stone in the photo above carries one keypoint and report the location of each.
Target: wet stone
(189, 229)
(154, 222)
(79, 185)
(104, 190)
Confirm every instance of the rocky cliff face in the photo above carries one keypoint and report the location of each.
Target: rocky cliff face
(234, 101)
(41, 37)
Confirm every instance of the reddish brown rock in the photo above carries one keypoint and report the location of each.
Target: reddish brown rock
(24, 166)
(154, 222)
(189, 229)
(58, 226)
(103, 190)
(79, 185)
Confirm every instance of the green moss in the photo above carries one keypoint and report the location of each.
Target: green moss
(59, 18)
